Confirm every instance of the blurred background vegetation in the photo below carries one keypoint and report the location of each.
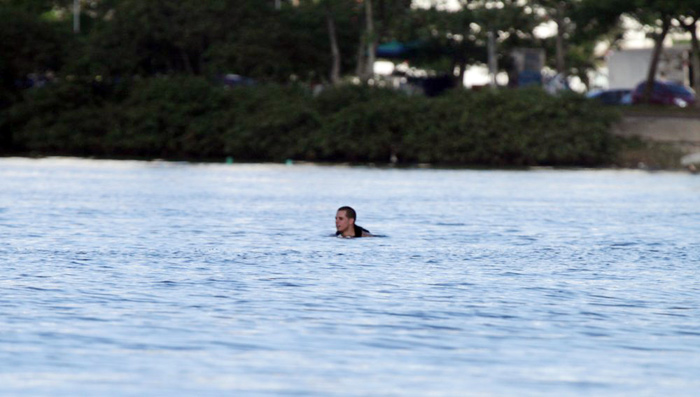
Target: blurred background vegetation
(146, 79)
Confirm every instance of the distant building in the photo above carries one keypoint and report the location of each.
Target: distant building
(629, 65)
(528, 63)
(626, 68)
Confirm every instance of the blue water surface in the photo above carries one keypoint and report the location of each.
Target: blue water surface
(152, 278)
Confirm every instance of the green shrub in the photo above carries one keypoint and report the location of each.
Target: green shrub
(334, 99)
(272, 123)
(191, 118)
(171, 117)
(70, 117)
(519, 127)
(372, 129)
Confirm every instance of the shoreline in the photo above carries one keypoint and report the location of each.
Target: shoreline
(658, 141)
(378, 166)
(649, 138)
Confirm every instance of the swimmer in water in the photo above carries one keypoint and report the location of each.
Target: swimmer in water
(345, 224)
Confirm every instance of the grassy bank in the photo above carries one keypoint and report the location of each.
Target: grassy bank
(664, 148)
(658, 111)
(190, 118)
(639, 153)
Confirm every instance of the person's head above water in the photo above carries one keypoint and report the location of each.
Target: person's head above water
(345, 220)
(345, 224)
(349, 212)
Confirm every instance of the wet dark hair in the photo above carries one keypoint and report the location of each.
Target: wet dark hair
(349, 212)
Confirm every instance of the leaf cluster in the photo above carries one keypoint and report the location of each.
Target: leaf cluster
(190, 118)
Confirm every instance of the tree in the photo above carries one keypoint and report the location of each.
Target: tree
(688, 19)
(333, 40)
(336, 11)
(659, 15)
(559, 12)
(29, 45)
(34, 7)
(214, 37)
(150, 37)
(580, 25)
(508, 24)
(367, 50)
(451, 41)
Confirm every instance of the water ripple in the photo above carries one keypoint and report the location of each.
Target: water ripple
(132, 278)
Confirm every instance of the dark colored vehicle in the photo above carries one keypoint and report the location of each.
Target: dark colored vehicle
(234, 80)
(665, 93)
(612, 97)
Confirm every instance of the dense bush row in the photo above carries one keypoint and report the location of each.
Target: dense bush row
(190, 118)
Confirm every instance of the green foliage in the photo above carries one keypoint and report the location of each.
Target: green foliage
(335, 99)
(35, 7)
(70, 117)
(516, 127)
(123, 38)
(272, 123)
(28, 45)
(170, 117)
(637, 153)
(184, 117)
(370, 129)
(213, 37)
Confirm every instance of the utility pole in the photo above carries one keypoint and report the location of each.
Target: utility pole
(76, 16)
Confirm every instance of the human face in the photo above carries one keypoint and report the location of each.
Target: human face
(342, 222)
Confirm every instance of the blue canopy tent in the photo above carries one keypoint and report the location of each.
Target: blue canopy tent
(395, 49)
(431, 85)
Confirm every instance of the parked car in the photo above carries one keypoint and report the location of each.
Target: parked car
(235, 80)
(612, 97)
(665, 93)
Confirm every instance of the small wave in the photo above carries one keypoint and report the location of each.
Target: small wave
(390, 344)
(43, 289)
(452, 284)
(239, 346)
(495, 315)
(688, 333)
(91, 319)
(623, 245)
(619, 305)
(593, 314)
(596, 334)
(648, 348)
(364, 238)
(287, 284)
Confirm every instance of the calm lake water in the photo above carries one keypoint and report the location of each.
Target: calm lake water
(151, 278)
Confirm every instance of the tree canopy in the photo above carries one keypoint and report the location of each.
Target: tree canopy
(306, 40)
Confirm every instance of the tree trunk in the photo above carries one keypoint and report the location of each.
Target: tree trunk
(360, 69)
(653, 65)
(186, 62)
(695, 59)
(371, 41)
(335, 51)
(561, 31)
(492, 60)
(76, 16)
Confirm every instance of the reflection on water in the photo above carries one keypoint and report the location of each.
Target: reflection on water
(133, 278)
